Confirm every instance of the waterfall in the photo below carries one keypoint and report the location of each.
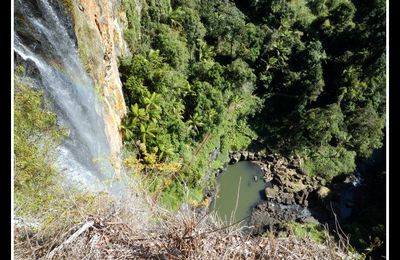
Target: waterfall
(44, 41)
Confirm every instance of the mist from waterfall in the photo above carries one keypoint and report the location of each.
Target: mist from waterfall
(44, 41)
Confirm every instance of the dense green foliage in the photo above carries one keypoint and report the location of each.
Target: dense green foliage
(322, 75)
(183, 102)
(305, 77)
(315, 231)
(313, 71)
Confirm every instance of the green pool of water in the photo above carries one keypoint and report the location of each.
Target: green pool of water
(238, 191)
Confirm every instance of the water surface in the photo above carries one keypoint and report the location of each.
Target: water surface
(238, 191)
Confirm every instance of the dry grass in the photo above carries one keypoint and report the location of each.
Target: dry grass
(128, 232)
(138, 228)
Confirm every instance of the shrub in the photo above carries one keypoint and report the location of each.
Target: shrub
(36, 134)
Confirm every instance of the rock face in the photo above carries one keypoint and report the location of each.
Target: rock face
(269, 216)
(98, 27)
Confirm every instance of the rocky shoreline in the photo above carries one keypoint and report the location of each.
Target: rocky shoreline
(290, 194)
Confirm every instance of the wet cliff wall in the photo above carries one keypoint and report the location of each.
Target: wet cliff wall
(98, 26)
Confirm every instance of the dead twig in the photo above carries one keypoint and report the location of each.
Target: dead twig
(74, 236)
(29, 242)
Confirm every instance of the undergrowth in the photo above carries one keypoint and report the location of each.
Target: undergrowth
(185, 234)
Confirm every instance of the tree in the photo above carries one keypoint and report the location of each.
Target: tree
(318, 78)
(324, 126)
(366, 129)
(147, 131)
(195, 124)
(240, 75)
(328, 161)
(188, 20)
(172, 47)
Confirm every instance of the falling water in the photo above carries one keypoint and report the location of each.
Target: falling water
(44, 41)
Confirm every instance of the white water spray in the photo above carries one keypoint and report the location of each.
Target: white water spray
(42, 40)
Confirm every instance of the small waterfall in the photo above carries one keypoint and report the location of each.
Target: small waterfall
(44, 41)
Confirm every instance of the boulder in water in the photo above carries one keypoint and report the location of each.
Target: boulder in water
(251, 156)
(323, 192)
(245, 155)
(235, 157)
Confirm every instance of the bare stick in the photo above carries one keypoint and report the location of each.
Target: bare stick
(222, 228)
(237, 199)
(74, 236)
(343, 239)
(29, 241)
(289, 251)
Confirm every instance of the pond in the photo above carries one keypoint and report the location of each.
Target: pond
(240, 188)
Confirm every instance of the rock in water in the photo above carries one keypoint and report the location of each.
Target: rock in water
(251, 156)
(323, 192)
(245, 155)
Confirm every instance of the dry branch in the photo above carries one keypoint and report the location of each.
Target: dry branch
(72, 238)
